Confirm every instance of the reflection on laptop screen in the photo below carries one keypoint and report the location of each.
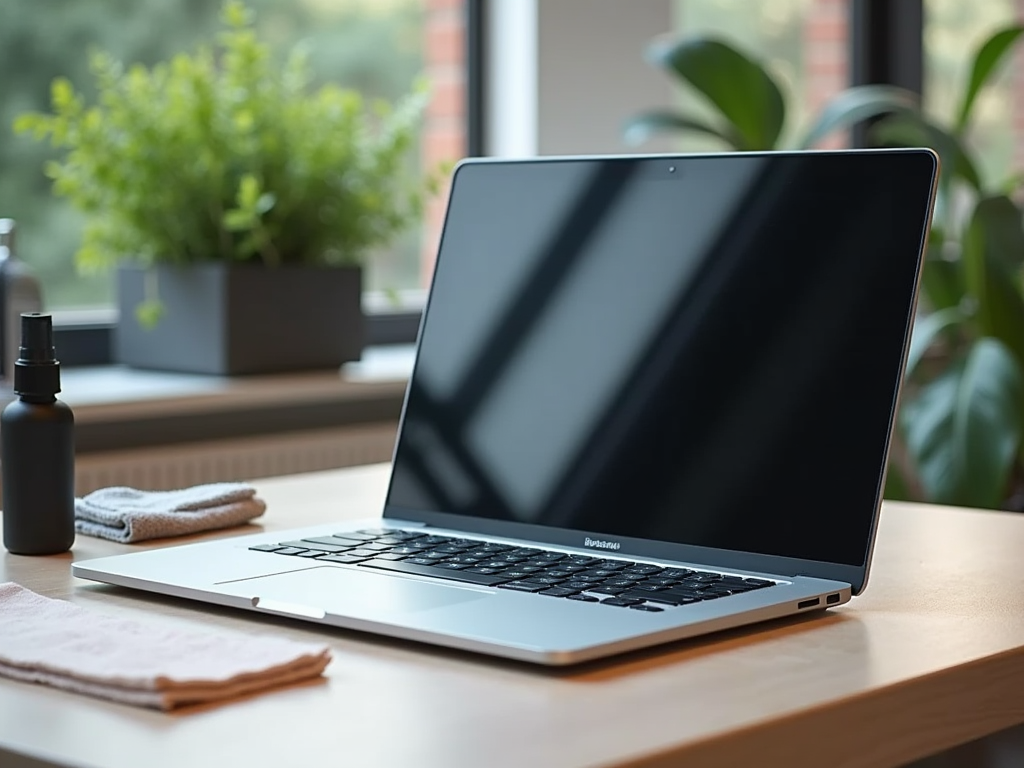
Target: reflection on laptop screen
(705, 356)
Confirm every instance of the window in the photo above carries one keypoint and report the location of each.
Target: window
(804, 43)
(952, 32)
(377, 46)
(563, 76)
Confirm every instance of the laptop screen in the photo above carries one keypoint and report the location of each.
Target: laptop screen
(701, 350)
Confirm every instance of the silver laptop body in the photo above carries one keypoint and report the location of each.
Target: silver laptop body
(652, 399)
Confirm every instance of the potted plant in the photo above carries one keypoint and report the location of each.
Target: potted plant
(960, 429)
(239, 203)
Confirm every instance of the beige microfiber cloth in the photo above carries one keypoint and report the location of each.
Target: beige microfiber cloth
(127, 515)
(57, 643)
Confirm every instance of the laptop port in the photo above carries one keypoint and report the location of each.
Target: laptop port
(808, 603)
(832, 599)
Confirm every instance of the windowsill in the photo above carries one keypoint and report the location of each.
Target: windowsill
(119, 408)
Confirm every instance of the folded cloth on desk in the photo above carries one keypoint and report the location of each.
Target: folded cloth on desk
(127, 514)
(57, 643)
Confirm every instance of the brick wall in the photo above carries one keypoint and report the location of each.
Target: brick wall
(444, 131)
(826, 57)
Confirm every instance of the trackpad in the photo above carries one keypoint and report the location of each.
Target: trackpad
(312, 592)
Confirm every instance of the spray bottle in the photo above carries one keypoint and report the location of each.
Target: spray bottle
(37, 449)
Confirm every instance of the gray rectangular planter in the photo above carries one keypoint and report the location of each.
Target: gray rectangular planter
(233, 319)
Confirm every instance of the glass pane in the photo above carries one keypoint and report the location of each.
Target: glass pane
(953, 30)
(376, 46)
(803, 43)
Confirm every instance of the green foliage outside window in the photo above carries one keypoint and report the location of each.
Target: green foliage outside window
(225, 154)
(375, 48)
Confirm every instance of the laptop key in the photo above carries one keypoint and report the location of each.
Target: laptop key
(573, 584)
(406, 566)
(675, 573)
(408, 549)
(338, 541)
(376, 547)
(704, 577)
(344, 558)
(535, 579)
(355, 536)
(649, 608)
(516, 573)
(583, 598)
(623, 602)
(523, 586)
(643, 569)
(317, 545)
(738, 588)
(619, 582)
(677, 595)
(291, 551)
(558, 592)
(659, 598)
(267, 547)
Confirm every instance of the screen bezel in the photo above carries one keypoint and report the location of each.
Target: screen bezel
(659, 165)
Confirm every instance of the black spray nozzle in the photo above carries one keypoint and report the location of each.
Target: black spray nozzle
(37, 338)
(36, 371)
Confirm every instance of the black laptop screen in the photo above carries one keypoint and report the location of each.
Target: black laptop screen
(702, 350)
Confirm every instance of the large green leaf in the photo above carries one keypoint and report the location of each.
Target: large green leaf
(926, 330)
(993, 250)
(987, 60)
(963, 429)
(740, 89)
(640, 128)
(859, 103)
(912, 130)
(942, 279)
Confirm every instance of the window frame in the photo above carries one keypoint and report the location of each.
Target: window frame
(885, 45)
(90, 342)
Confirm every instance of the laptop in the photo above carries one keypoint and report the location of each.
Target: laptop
(652, 399)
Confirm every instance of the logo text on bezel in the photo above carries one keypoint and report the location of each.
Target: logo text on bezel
(599, 544)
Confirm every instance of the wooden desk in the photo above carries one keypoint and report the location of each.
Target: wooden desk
(931, 656)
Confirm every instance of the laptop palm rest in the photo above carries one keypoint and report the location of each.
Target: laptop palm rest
(315, 592)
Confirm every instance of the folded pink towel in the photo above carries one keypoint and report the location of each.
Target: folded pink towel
(151, 665)
(127, 514)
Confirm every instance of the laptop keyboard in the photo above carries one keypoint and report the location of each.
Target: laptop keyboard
(620, 583)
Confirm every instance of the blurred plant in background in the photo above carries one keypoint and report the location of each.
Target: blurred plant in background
(959, 430)
(375, 47)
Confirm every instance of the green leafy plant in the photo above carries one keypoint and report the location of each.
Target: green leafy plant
(748, 106)
(959, 431)
(224, 154)
(960, 427)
